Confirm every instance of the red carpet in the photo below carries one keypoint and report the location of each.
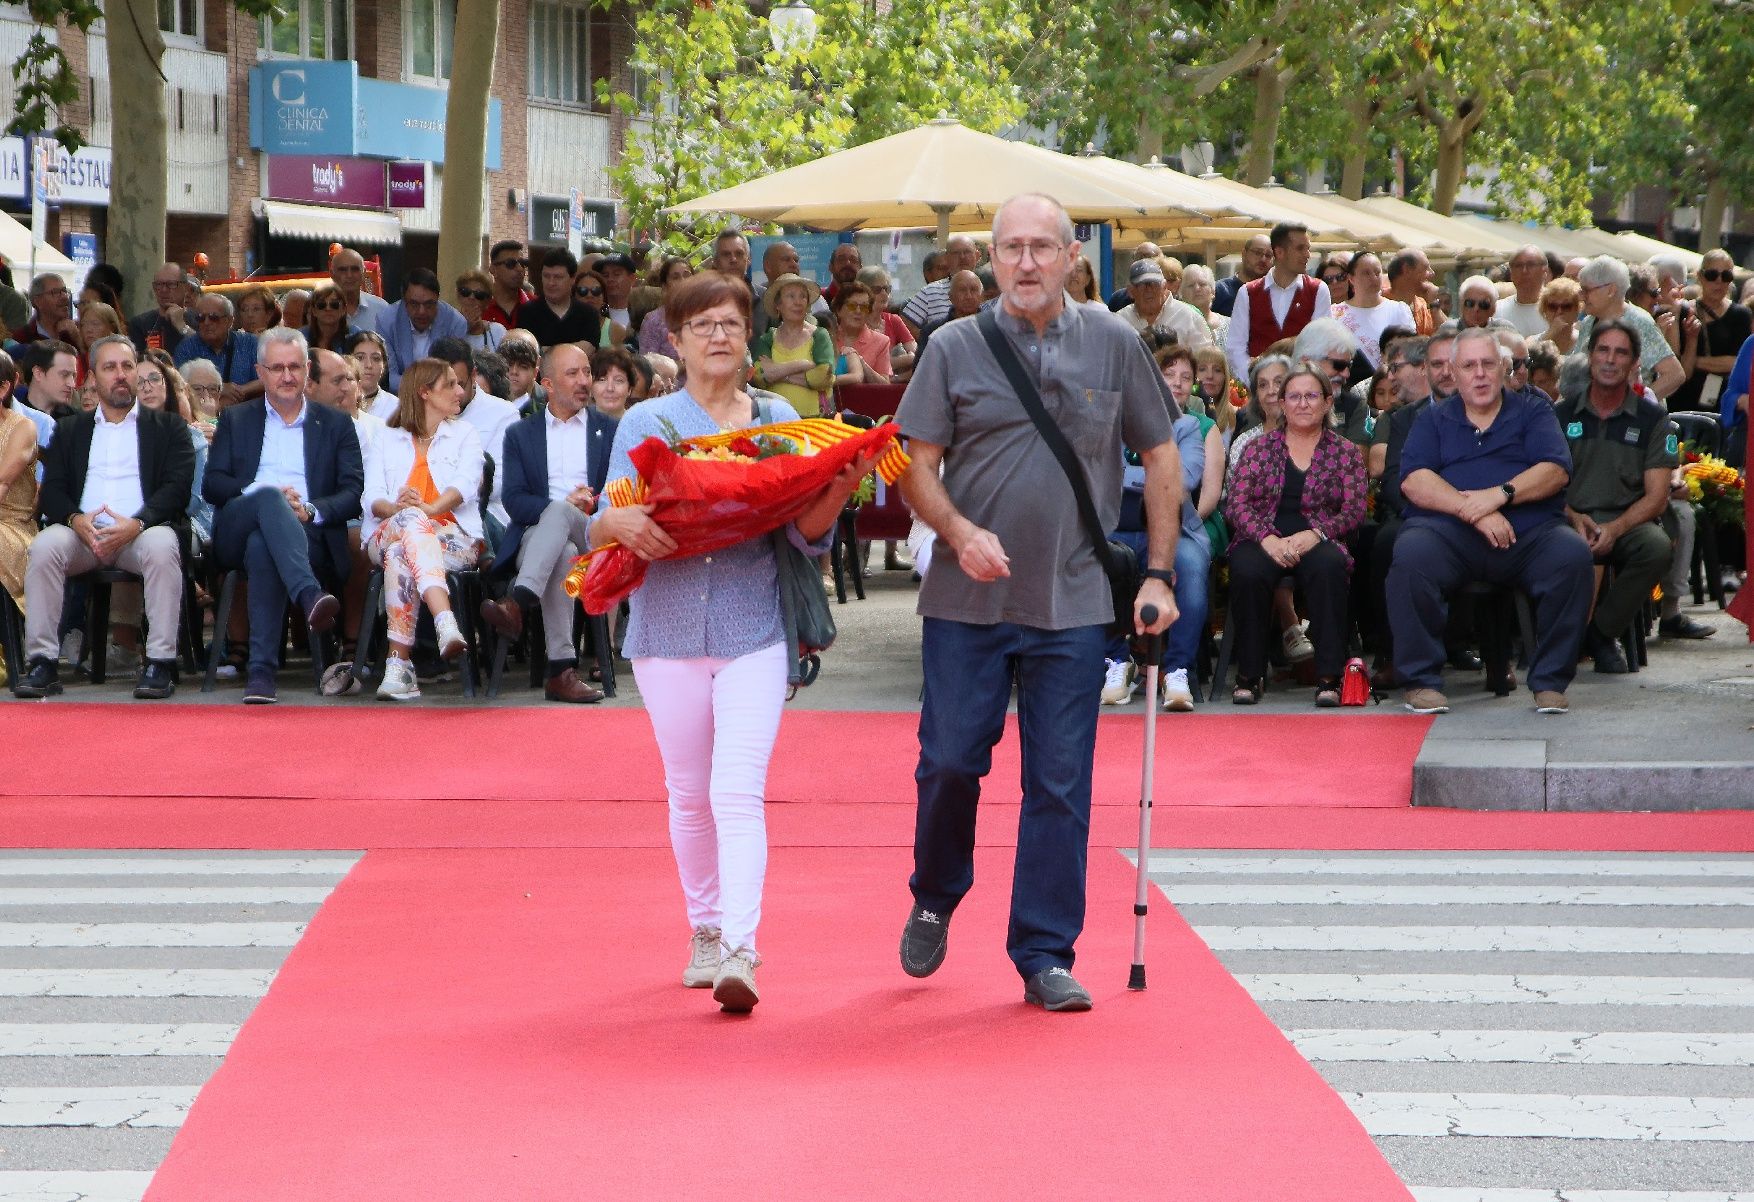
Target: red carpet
(508, 1025)
(608, 754)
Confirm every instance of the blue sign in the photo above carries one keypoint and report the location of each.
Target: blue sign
(82, 249)
(314, 107)
(814, 252)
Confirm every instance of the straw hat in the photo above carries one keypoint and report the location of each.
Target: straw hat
(770, 300)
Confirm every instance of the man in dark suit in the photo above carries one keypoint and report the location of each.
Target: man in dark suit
(284, 476)
(167, 323)
(115, 491)
(556, 462)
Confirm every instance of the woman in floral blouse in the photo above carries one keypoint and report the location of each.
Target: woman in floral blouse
(1296, 493)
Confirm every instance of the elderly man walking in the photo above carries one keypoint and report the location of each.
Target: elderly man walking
(1018, 594)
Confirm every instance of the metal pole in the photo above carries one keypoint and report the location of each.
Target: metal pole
(1153, 660)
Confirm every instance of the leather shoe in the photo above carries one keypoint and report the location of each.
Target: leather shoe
(41, 680)
(156, 681)
(923, 941)
(1056, 989)
(1463, 659)
(1607, 654)
(506, 617)
(1682, 626)
(320, 615)
(569, 688)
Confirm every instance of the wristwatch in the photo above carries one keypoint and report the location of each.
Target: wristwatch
(1167, 575)
(1509, 493)
(310, 511)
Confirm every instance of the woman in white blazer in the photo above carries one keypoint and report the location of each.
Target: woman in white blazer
(422, 513)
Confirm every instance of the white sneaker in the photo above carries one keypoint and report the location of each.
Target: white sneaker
(704, 954)
(399, 683)
(1118, 683)
(120, 659)
(1174, 693)
(1297, 645)
(450, 637)
(734, 986)
(73, 648)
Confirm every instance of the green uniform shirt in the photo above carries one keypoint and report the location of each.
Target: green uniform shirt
(1609, 458)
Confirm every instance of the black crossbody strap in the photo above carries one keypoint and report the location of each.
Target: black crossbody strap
(1026, 392)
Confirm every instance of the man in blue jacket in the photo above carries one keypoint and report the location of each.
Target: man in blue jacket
(413, 324)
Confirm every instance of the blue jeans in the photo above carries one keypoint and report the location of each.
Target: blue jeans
(1193, 569)
(969, 671)
(258, 532)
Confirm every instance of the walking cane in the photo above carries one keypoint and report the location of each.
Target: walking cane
(1153, 659)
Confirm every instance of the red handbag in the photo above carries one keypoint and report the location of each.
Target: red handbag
(1355, 683)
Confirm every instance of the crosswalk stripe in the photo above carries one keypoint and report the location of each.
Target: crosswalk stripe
(1483, 988)
(1249, 893)
(19, 1185)
(1554, 1116)
(218, 895)
(155, 866)
(97, 1106)
(1469, 1193)
(135, 982)
(1484, 865)
(150, 934)
(1693, 941)
(116, 1039)
(1330, 1045)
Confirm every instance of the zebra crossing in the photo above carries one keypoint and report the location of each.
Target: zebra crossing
(1508, 1027)
(124, 979)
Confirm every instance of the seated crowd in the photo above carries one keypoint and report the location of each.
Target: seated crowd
(1363, 468)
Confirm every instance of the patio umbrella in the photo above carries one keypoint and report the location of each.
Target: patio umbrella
(1477, 239)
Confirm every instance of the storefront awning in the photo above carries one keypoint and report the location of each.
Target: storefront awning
(287, 220)
(15, 244)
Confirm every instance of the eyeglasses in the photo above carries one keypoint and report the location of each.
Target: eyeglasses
(206, 389)
(1041, 251)
(1567, 307)
(1518, 364)
(591, 291)
(410, 303)
(474, 294)
(207, 317)
(1331, 280)
(155, 379)
(508, 264)
(1714, 276)
(706, 327)
(1476, 304)
(1302, 398)
(328, 304)
(850, 307)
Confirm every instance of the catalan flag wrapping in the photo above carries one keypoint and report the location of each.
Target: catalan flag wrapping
(710, 504)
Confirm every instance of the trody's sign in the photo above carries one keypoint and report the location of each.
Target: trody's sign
(326, 180)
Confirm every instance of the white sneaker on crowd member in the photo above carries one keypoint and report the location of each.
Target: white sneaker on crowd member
(121, 659)
(734, 984)
(1174, 690)
(1297, 645)
(399, 683)
(450, 636)
(1118, 683)
(72, 648)
(704, 954)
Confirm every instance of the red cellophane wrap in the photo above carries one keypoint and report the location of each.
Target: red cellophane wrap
(707, 505)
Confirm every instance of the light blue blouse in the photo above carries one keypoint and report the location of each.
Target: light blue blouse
(717, 606)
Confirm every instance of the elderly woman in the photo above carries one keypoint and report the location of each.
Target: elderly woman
(257, 309)
(862, 352)
(708, 645)
(474, 294)
(1197, 290)
(205, 392)
(792, 357)
(901, 340)
(1602, 284)
(654, 331)
(367, 349)
(612, 377)
(293, 303)
(1561, 304)
(328, 317)
(1368, 313)
(1479, 301)
(1297, 492)
(422, 517)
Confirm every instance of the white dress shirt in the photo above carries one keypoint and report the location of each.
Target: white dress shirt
(385, 404)
(283, 454)
(112, 474)
(453, 458)
(569, 452)
(1236, 341)
(491, 418)
(368, 426)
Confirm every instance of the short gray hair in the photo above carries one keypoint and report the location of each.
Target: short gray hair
(1193, 275)
(1605, 269)
(282, 336)
(1065, 221)
(1322, 337)
(1669, 267)
(200, 367)
(41, 282)
(1476, 334)
(111, 340)
(224, 302)
(874, 277)
(1478, 283)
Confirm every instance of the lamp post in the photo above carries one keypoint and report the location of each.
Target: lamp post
(791, 26)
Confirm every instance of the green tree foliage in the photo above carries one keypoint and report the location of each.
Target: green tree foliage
(722, 105)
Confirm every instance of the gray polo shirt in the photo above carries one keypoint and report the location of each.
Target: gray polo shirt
(1101, 387)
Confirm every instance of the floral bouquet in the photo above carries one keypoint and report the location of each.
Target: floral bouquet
(711, 492)
(1715, 488)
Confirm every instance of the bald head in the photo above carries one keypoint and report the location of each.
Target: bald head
(1146, 250)
(965, 294)
(327, 379)
(1257, 258)
(964, 254)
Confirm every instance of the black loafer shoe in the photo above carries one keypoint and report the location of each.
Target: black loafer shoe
(1056, 989)
(321, 615)
(923, 941)
(1681, 626)
(260, 689)
(42, 680)
(155, 682)
(1610, 659)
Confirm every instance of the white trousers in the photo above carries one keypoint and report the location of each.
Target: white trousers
(715, 722)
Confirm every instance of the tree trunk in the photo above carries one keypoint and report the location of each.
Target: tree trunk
(1711, 215)
(1452, 166)
(1264, 130)
(138, 182)
(462, 219)
(1352, 175)
(1150, 140)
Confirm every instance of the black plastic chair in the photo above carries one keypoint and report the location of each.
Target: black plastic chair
(465, 588)
(216, 650)
(1496, 607)
(1706, 576)
(11, 634)
(99, 583)
(535, 647)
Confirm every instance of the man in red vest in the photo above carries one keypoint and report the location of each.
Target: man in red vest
(1279, 304)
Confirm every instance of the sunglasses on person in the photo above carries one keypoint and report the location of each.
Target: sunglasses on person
(1567, 307)
(473, 294)
(1715, 276)
(1338, 277)
(1517, 365)
(508, 264)
(1340, 364)
(328, 304)
(1476, 304)
(588, 291)
(207, 317)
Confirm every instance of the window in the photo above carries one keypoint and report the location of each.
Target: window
(181, 18)
(564, 50)
(307, 29)
(431, 25)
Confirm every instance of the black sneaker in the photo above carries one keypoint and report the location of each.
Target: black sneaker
(155, 681)
(259, 690)
(42, 680)
(1606, 652)
(923, 941)
(1681, 626)
(1056, 989)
